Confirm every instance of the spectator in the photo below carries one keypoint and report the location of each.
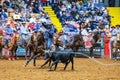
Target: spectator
(17, 16)
(3, 14)
(27, 16)
(50, 31)
(44, 2)
(24, 33)
(9, 33)
(33, 19)
(114, 33)
(30, 9)
(66, 31)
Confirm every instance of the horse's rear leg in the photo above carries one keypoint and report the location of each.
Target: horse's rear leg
(27, 61)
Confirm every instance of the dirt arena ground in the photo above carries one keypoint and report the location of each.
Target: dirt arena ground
(85, 69)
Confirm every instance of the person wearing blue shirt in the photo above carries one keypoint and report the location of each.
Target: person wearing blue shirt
(116, 30)
(50, 33)
(38, 26)
(24, 33)
(9, 33)
(114, 33)
(3, 14)
(66, 31)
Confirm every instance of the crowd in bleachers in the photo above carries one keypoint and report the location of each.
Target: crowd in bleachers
(86, 18)
(25, 17)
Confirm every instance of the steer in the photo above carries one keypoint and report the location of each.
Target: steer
(59, 57)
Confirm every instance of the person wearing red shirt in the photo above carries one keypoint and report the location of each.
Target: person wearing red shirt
(44, 2)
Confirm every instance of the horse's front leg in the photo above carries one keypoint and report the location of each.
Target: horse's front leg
(34, 59)
(28, 60)
(15, 50)
(28, 53)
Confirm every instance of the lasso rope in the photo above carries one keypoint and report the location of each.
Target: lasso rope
(93, 59)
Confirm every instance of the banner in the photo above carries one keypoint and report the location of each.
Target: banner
(20, 51)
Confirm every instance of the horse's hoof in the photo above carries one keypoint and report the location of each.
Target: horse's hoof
(24, 65)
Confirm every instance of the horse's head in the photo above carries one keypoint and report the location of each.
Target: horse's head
(78, 40)
(58, 40)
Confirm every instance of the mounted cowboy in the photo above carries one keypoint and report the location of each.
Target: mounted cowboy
(114, 33)
(116, 43)
(24, 33)
(9, 32)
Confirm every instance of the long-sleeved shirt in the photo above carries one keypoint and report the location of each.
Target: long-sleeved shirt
(24, 30)
(115, 31)
(66, 30)
(8, 30)
(84, 32)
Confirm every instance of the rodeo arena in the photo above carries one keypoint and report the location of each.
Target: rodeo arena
(39, 38)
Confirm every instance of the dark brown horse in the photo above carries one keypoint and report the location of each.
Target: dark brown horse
(35, 47)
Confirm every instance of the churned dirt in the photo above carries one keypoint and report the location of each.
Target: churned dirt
(85, 69)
